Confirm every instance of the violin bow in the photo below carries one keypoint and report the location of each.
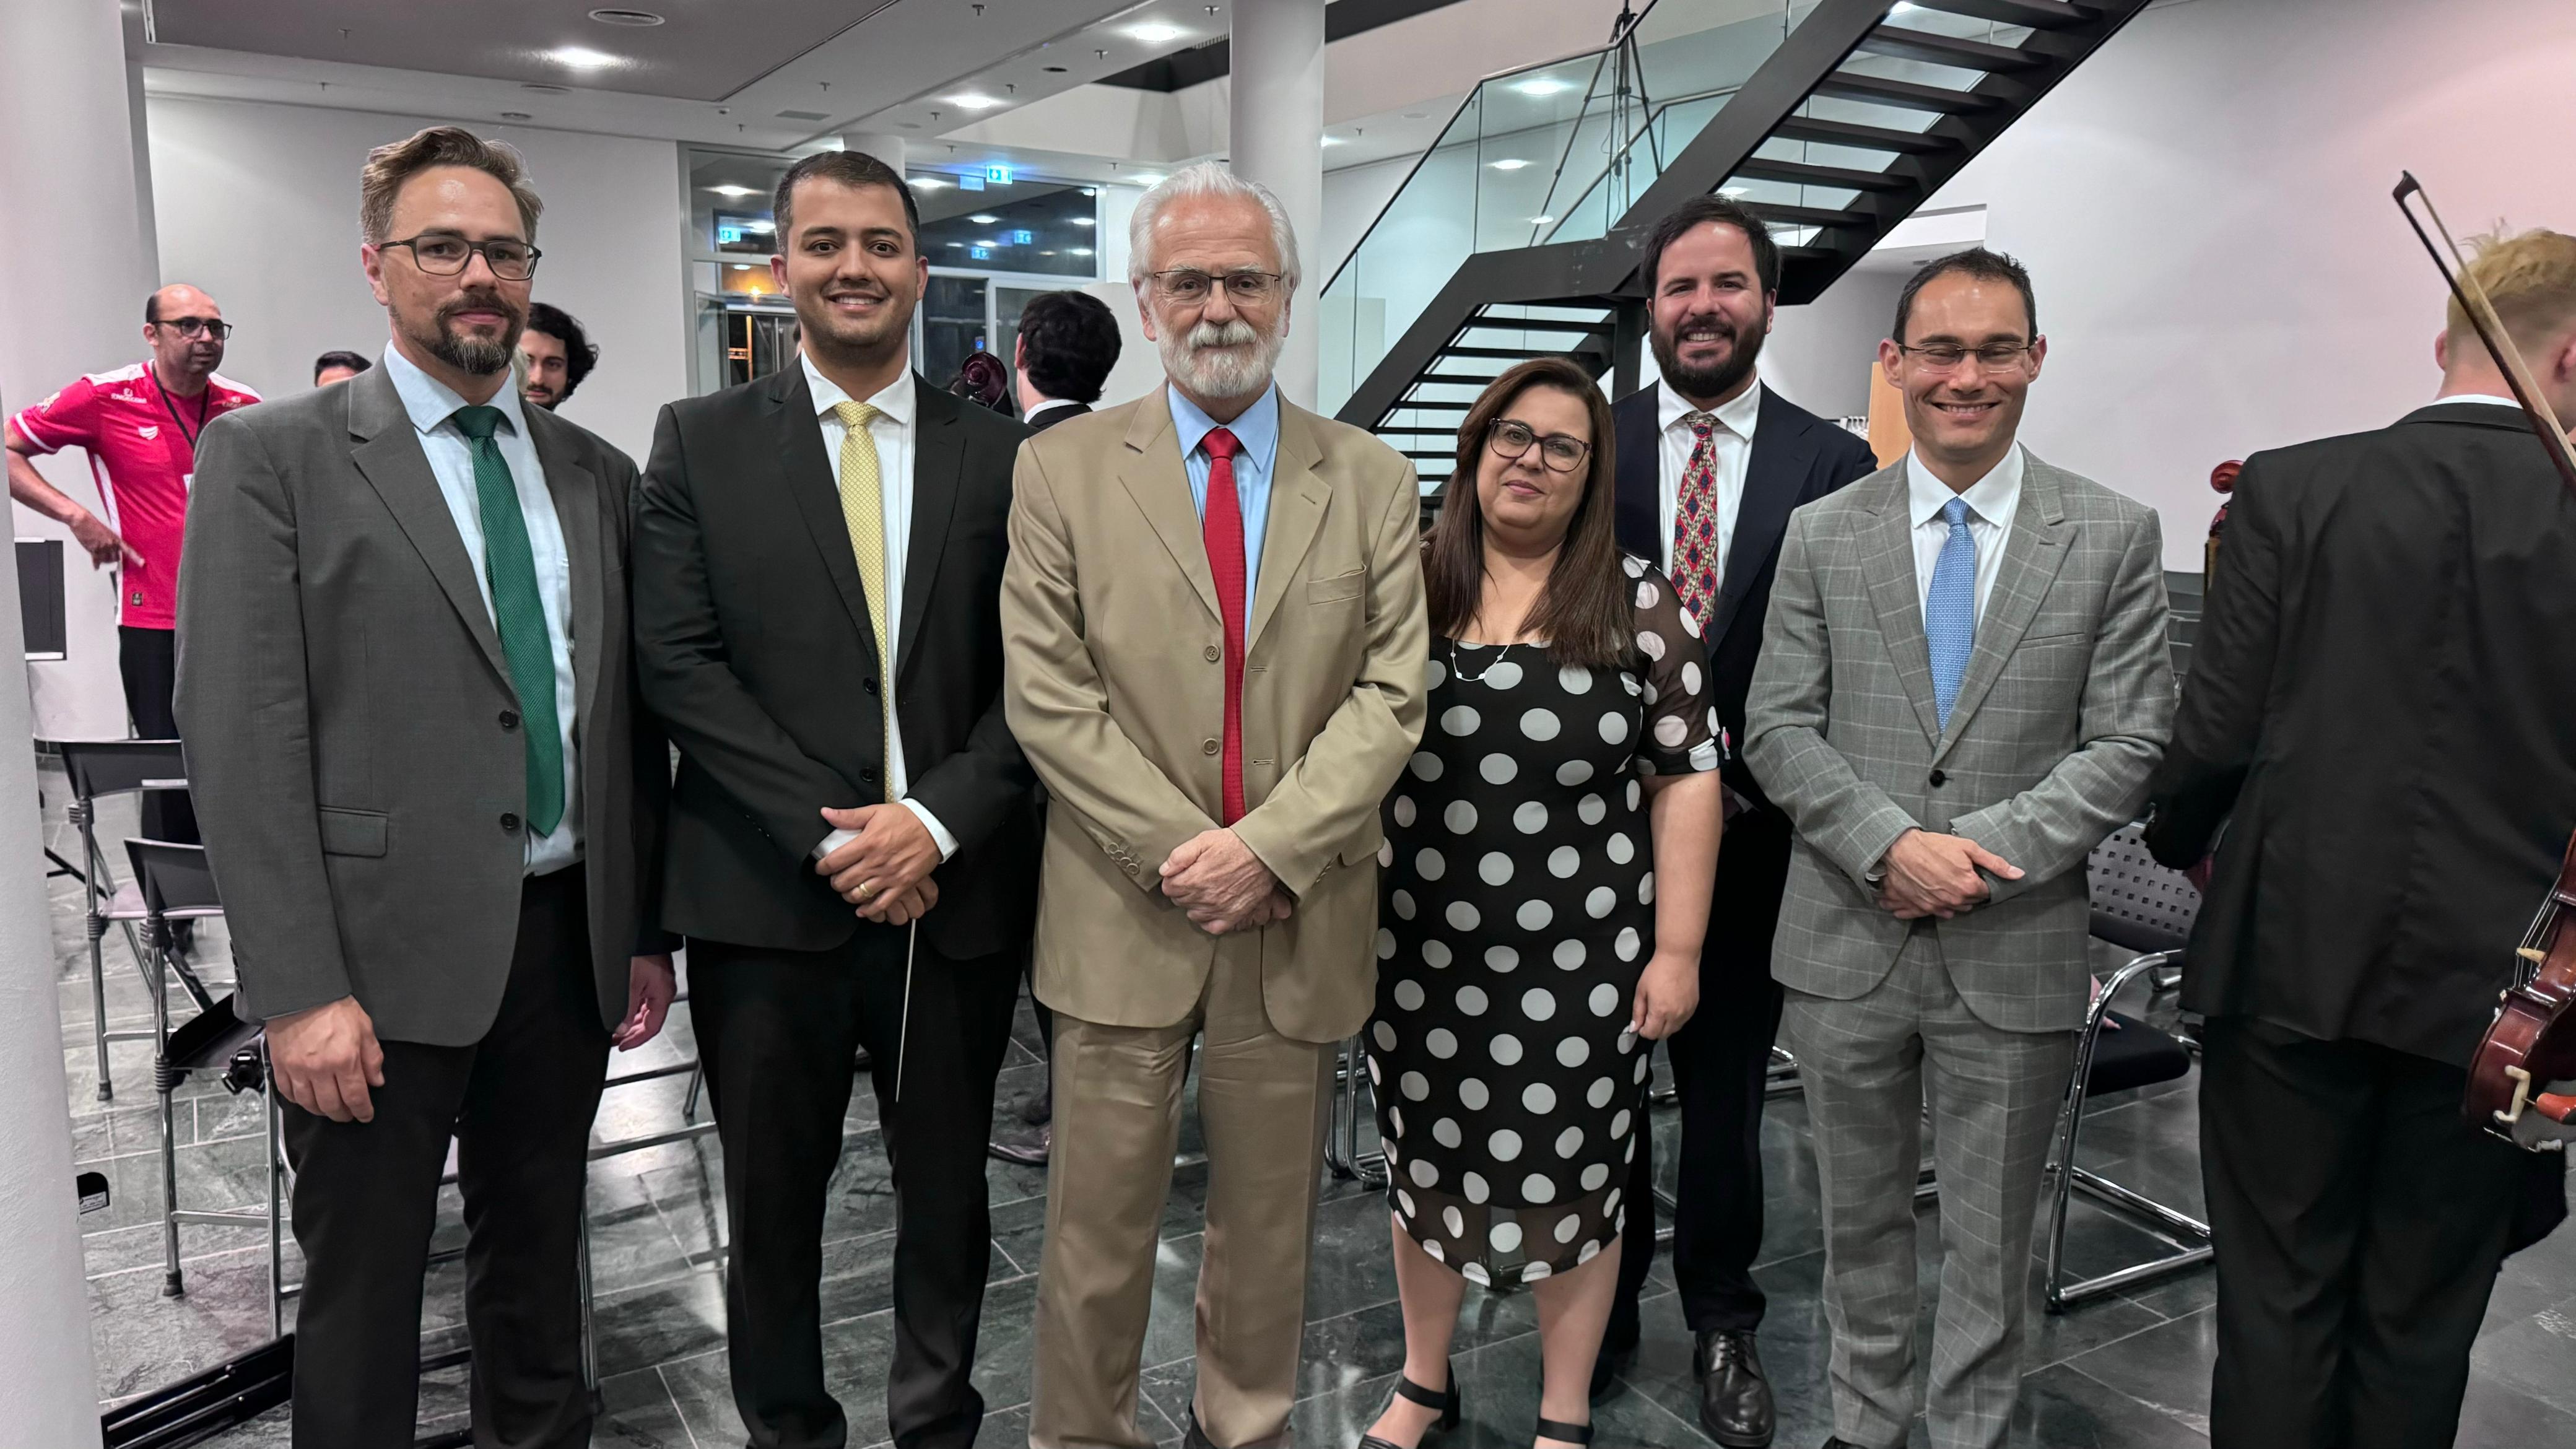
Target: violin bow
(2482, 316)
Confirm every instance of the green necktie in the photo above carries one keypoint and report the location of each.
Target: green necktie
(511, 566)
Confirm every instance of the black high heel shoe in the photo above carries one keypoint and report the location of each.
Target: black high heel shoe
(1568, 1433)
(1445, 1401)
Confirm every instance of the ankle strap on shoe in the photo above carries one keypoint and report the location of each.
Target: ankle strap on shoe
(1406, 1388)
(1569, 1433)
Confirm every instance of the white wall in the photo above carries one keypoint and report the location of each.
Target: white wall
(1818, 355)
(2204, 207)
(258, 204)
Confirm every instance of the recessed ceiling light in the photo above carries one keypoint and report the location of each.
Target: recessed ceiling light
(1046, 254)
(957, 244)
(1147, 178)
(514, 116)
(637, 18)
(1545, 85)
(973, 101)
(1054, 70)
(1508, 163)
(1417, 115)
(546, 90)
(1091, 191)
(1542, 220)
(1080, 220)
(1078, 251)
(582, 57)
(988, 242)
(1153, 32)
(930, 183)
(1733, 190)
(729, 189)
(742, 266)
(1335, 141)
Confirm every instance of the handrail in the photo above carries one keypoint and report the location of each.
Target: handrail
(1464, 102)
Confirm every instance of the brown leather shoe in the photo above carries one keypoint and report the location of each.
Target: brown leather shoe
(1734, 1398)
(1029, 1148)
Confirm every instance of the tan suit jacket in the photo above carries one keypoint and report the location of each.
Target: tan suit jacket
(1115, 685)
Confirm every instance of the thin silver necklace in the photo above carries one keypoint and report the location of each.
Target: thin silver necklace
(1464, 677)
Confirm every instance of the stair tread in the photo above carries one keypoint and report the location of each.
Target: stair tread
(1853, 133)
(2036, 14)
(1910, 95)
(1809, 215)
(1906, 43)
(1807, 173)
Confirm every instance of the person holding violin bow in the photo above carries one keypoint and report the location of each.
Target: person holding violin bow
(2382, 717)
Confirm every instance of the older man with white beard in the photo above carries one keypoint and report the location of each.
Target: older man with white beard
(1214, 637)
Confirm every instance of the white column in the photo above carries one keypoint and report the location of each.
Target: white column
(883, 145)
(70, 263)
(75, 268)
(1276, 133)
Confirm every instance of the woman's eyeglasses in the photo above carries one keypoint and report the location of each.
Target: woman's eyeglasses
(1511, 438)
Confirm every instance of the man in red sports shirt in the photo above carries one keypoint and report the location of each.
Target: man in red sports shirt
(139, 425)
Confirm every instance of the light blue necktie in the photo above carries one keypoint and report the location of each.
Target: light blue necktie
(1950, 610)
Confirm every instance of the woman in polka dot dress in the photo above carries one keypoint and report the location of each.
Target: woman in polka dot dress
(1525, 948)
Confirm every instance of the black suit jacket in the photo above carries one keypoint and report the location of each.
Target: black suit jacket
(1797, 459)
(755, 651)
(1056, 411)
(2383, 695)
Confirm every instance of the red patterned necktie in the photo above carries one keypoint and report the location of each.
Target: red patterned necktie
(1696, 563)
(1221, 528)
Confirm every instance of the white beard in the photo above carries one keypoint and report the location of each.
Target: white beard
(1212, 359)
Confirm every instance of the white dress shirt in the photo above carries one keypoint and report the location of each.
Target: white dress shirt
(1042, 409)
(432, 405)
(1730, 446)
(892, 431)
(1992, 501)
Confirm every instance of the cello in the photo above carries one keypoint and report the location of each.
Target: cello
(2522, 1080)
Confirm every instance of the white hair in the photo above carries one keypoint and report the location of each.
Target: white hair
(1208, 179)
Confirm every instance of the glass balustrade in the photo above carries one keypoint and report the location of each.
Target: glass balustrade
(1553, 152)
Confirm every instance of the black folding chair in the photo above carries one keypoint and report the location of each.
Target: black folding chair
(2140, 906)
(97, 769)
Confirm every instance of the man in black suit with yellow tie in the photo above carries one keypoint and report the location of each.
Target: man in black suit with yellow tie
(1711, 463)
(818, 565)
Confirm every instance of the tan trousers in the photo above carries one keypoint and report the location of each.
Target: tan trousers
(1117, 1124)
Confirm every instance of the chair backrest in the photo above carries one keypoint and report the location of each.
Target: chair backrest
(113, 767)
(176, 880)
(2137, 903)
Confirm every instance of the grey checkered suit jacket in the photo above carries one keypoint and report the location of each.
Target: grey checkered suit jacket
(2066, 707)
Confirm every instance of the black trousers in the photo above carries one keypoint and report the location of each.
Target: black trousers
(2359, 1223)
(519, 1104)
(1720, 1059)
(149, 661)
(777, 1032)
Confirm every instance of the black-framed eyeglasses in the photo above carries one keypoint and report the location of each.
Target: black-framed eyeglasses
(214, 327)
(444, 254)
(1993, 357)
(1510, 438)
(1188, 286)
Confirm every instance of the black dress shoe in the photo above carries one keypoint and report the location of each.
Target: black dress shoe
(1734, 1398)
(1444, 1400)
(1028, 1147)
(1616, 1358)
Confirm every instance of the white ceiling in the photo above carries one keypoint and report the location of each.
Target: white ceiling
(768, 74)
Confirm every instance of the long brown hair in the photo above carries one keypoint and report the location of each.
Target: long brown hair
(1584, 614)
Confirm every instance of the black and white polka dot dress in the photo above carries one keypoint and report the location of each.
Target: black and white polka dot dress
(1516, 912)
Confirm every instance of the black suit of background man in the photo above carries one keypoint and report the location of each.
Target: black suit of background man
(757, 653)
(1721, 1055)
(2383, 694)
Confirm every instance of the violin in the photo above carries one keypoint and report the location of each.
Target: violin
(2522, 1081)
(2525, 1067)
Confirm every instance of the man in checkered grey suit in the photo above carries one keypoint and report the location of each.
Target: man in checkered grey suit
(1963, 687)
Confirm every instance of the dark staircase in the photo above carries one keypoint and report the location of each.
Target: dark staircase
(1862, 113)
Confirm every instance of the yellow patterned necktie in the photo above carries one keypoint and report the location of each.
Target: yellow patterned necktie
(863, 513)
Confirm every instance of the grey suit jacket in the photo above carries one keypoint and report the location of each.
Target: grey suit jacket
(352, 734)
(2066, 707)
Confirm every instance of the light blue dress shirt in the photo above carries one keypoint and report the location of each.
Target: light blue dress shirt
(432, 406)
(1257, 429)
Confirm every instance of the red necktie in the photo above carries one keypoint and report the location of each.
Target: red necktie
(1695, 563)
(1221, 528)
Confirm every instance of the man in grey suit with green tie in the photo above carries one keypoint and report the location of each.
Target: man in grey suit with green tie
(1963, 686)
(431, 804)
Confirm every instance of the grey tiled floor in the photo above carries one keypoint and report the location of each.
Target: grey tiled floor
(2129, 1370)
